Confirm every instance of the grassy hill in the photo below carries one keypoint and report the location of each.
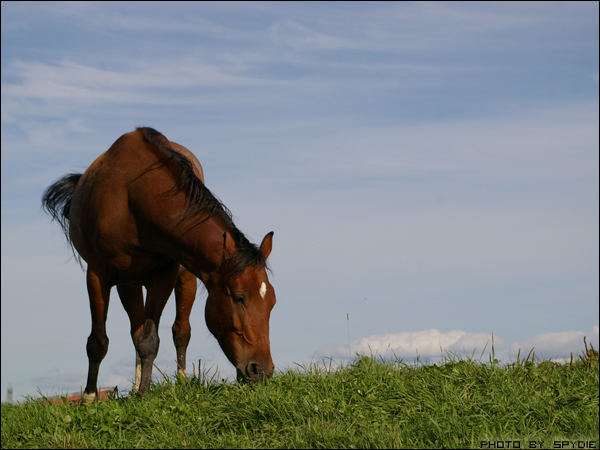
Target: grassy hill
(370, 403)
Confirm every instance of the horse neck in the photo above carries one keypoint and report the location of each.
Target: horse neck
(203, 246)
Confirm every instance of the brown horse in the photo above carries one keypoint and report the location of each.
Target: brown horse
(141, 215)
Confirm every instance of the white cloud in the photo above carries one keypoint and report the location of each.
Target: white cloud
(424, 344)
(556, 344)
(436, 344)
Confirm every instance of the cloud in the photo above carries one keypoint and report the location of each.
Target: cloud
(423, 27)
(177, 17)
(424, 344)
(302, 37)
(433, 344)
(555, 345)
(67, 80)
(541, 143)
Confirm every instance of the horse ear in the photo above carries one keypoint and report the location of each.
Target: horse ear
(267, 245)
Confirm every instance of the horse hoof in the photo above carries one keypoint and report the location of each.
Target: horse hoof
(88, 398)
(140, 394)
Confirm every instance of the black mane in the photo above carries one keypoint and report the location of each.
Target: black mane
(202, 201)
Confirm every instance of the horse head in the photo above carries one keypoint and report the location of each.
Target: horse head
(237, 312)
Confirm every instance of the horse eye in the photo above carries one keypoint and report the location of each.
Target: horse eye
(238, 298)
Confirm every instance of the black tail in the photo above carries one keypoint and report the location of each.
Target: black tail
(56, 201)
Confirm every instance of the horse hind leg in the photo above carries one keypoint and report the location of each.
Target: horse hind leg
(97, 343)
(185, 294)
(147, 340)
(132, 299)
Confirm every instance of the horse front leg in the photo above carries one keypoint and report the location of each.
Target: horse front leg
(185, 294)
(97, 343)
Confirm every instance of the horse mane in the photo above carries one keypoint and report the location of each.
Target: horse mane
(202, 201)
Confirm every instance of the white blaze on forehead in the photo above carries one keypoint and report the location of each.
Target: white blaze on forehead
(263, 289)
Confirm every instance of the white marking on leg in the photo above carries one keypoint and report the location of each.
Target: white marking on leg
(138, 372)
(263, 290)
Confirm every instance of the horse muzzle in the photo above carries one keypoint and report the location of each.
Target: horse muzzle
(255, 371)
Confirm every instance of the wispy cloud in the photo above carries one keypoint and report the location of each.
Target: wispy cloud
(425, 27)
(544, 142)
(122, 17)
(75, 82)
(291, 33)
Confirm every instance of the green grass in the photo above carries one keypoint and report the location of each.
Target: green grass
(368, 404)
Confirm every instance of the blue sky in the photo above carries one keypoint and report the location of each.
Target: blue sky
(430, 170)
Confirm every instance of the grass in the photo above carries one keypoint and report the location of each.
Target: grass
(370, 403)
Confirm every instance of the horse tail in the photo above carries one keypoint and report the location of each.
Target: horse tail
(56, 201)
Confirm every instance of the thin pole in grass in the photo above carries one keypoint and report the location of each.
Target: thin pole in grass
(493, 361)
(348, 335)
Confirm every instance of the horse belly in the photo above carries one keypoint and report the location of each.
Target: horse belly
(118, 253)
(127, 256)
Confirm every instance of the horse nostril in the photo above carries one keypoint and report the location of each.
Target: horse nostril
(255, 370)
